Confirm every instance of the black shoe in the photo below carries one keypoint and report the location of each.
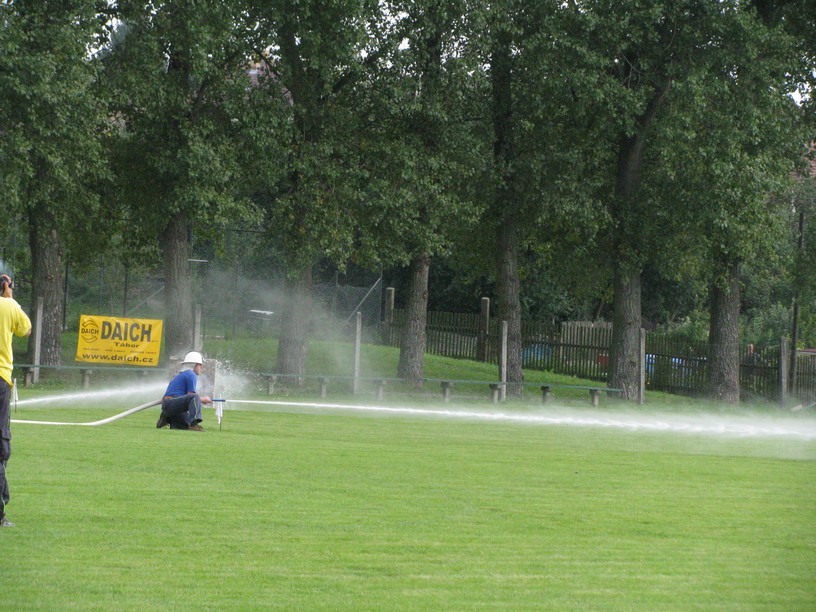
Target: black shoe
(4, 522)
(162, 422)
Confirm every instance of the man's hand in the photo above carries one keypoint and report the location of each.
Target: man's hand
(6, 285)
(206, 399)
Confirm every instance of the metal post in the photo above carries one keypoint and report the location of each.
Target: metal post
(357, 341)
(197, 340)
(125, 293)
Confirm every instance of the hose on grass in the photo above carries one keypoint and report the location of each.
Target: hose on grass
(115, 417)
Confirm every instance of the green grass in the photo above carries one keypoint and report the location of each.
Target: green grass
(338, 512)
(297, 510)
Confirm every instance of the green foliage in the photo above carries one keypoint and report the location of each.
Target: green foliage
(363, 132)
(177, 74)
(421, 158)
(693, 328)
(51, 116)
(767, 325)
(799, 202)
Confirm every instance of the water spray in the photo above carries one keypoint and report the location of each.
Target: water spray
(667, 424)
(148, 389)
(676, 424)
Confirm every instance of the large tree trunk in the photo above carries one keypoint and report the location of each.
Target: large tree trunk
(46, 256)
(412, 344)
(624, 366)
(509, 306)
(724, 354)
(505, 209)
(428, 42)
(295, 321)
(178, 294)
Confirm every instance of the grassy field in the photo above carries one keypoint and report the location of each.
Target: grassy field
(300, 508)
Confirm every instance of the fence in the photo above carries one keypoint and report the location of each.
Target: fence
(252, 300)
(805, 383)
(582, 349)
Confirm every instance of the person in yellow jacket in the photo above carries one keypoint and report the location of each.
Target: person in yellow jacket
(12, 321)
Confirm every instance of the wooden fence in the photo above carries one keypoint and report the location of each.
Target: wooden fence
(582, 349)
(805, 383)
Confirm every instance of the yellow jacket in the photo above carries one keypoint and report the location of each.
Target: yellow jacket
(12, 321)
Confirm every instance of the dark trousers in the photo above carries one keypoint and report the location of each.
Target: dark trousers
(182, 411)
(5, 443)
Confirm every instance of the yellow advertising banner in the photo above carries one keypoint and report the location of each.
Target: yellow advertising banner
(118, 340)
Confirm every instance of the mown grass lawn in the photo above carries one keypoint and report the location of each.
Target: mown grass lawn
(311, 511)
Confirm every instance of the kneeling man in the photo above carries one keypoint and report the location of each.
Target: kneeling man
(181, 404)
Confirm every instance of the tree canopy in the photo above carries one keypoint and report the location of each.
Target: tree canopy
(571, 156)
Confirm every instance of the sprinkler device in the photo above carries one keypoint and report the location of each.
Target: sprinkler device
(218, 404)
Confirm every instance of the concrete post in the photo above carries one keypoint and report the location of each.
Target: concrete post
(482, 333)
(35, 373)
(642, 369)
(503, 367)
(388, 315)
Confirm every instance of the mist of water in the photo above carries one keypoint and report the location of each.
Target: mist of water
(698, 424)
(233, 385)
(127, 394)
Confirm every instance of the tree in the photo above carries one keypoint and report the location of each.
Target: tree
(746, 149)
(544, 163)
(429, 91)
(50, 152)
(665, 64)
(647, 52)
(803, 205)
(311, 54)
(179, 79)
(505, 209)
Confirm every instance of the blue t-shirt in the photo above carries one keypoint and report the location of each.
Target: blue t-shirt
(182, 384)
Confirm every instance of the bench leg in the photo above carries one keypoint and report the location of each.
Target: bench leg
(379, 392)
(86, 379)
(594, 395)
(446, 391)
(494, 393)
(545, 394)
(271, 386)
(324, 383)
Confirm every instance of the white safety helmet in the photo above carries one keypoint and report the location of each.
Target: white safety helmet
(193, 357)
